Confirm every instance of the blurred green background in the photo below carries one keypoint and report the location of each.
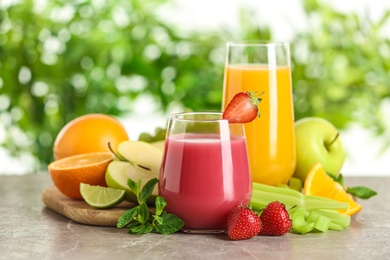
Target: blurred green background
(61, 59)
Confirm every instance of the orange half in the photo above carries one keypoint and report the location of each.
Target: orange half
(319, 183)
(89, 168)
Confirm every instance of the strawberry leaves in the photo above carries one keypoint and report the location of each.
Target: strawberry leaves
(243, 108)
(139, 220)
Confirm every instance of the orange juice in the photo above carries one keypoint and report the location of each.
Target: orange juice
(270, 138)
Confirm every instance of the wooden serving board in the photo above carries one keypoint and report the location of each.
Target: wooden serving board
(81, 212)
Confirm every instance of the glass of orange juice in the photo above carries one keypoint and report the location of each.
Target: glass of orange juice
(265, 66)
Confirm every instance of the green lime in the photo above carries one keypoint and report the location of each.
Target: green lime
(101, 197)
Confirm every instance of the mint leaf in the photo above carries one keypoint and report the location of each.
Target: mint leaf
(138, 220)
(127, 217)
(158, 219)
(143, 213)
(133, 224)
(141, 229)
(133, 186)
(170, 224)
(339, 178)
(147, 190)
(361, 192)
(160, 205)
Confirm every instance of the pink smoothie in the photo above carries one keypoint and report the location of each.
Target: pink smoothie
(203, 178)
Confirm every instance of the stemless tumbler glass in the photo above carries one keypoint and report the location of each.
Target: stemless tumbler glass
(205, 170)
(265, 67)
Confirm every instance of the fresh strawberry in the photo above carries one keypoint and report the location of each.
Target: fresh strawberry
(243, 108)
(275, 220)
(242, 223)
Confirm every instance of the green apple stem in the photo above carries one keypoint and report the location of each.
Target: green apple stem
(334, 139)
(120, 157)
(116, 154)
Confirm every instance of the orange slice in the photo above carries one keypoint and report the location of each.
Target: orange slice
(319, 183)
(89, 168)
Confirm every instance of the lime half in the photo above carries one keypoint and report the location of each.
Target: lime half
(101, 197)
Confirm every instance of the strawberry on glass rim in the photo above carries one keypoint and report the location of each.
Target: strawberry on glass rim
(243, 108)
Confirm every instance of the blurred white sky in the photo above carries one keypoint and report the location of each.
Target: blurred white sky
(285, 18)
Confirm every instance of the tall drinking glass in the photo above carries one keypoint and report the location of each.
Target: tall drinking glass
(205, 170)
(270, 139)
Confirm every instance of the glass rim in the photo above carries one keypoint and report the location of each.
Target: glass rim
(176, 116)
(258, 43)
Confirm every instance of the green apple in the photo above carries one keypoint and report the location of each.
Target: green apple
(137, 160)
(159, 144)
(317, 140)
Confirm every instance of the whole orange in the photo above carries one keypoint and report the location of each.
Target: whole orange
(89, 133)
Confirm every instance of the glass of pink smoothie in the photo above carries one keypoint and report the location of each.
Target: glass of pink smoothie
(205, 171)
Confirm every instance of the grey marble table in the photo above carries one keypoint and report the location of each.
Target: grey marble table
(29, 230)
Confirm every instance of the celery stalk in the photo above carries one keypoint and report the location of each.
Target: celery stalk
(321, 223)
(310, 212)
(317, 202)
(263, 194)
(303, 229)
(260, 197)
(275, 189)
(295, 184)
(299, 223)
(257, 205)
(336, 217)
(336, 227)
